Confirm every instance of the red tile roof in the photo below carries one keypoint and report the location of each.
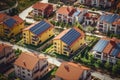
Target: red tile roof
(28, 60)
(17, 19)
(41, 6)
(109, 47)
(2, 17)
(66, 10)
(90, 15)
(117, 22)
(70, 71)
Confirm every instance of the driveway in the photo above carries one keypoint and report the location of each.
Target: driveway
(24, 13)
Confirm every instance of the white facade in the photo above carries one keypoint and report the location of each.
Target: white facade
(105, 27)
(108, 58)
(38, 71)
(96, 3)
(72, 18)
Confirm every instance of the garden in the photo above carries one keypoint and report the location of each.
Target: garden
(86, 58)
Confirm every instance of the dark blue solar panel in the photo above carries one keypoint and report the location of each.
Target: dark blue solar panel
(70, 36)
(10, 22)
(40, 27)
(116, 50)
(100, 45)
(110, 18)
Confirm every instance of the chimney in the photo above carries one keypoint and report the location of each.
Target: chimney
(68, 9)
(66, 67)
(24, 63)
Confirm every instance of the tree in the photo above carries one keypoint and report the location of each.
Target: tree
(108, 66)
(99, 62)
(115, 68)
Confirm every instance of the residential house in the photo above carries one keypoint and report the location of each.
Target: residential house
(107, 50)
(30, 66)
(10, 26)
(42, 9)
(68, 41)
(91, 18)
(38, 32)
(6, 54)
(69, 14)
(72, 71)
(98, 3)
(109, 22)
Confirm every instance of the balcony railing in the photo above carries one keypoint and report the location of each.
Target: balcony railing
(36, 71)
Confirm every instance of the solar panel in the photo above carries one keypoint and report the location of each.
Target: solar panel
(70, 36)
(116, 50)
(37, 25)
(109, 18)
(10, 22)
(100, 45)
(40, 27)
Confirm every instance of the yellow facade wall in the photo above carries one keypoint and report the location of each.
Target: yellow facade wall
(41, 38)
(1, 30)
(12, 31)
(60, 46)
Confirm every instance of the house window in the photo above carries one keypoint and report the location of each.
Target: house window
(23, 72)
(23, 76)
(28, 74)
(28, 70)
(33, 42)
(23, 68)
(40, 41)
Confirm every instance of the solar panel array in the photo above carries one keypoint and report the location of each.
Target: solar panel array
(10, 22)
(110, 18)
(70, 36)
(40, 27)
(116, 50)
(99, 47)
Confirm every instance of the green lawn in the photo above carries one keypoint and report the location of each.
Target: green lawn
(23, 4)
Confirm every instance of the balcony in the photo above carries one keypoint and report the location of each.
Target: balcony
(100, 26)
(2, 57)
(35, 38)
(36, 71)
(44, 66)
(7, 31)
(98, 56)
